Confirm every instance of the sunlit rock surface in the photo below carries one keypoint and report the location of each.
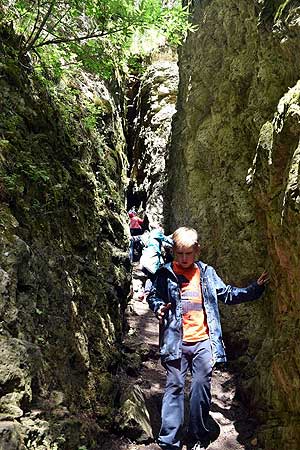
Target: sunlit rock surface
(155, 106)
(64, 269)
(234, 175)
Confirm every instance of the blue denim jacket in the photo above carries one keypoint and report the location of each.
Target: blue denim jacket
(166, 290)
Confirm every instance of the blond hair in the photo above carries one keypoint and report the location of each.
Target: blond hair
(185, 237)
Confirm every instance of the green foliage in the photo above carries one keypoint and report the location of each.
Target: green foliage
(281, 9)
(94, 33)
(92, 113)
(272, 10)
(22, 172)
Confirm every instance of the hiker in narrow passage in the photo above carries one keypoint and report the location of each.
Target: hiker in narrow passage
(136, 229)
(152, 257)
(135, 223)
(184, 297)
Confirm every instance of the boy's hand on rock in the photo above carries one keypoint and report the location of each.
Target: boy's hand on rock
(263, 279)
(162, 310)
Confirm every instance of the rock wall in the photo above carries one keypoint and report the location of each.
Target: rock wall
(155, 106)
(234, 175)
(64, 270)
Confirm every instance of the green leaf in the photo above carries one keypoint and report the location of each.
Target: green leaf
(96, 34)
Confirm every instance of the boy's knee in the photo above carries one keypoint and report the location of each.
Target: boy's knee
(175, 388)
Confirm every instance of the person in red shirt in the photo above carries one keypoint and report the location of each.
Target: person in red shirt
(135, 224)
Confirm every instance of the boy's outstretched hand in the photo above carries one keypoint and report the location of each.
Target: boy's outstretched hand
(264, 278)
(162, 310)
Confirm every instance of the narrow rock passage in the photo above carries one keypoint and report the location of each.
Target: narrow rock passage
(231, 427)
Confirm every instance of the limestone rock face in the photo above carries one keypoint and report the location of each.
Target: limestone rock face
(155, 106)
(234, 176)
(276, 185)
(134, 416)
(64, 269)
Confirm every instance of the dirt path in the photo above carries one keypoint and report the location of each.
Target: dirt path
(231, 428)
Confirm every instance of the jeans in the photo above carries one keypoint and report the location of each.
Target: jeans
(196, 357)
(134, 232)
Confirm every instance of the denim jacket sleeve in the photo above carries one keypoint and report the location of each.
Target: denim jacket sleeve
(232, 295)
(158, 295)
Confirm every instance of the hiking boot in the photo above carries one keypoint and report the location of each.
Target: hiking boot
(197, 446)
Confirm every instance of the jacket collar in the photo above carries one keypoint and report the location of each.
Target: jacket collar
(202, 266)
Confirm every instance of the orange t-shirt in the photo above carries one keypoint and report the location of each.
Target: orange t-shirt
(194, 321)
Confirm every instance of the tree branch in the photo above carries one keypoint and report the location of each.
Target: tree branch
(30, 43)
(79, 38)
(34, 25)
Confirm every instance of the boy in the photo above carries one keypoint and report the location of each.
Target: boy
(184, 298)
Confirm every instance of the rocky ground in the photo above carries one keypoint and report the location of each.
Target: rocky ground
(231, 427)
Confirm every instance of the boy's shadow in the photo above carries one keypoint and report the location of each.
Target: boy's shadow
(214, 429)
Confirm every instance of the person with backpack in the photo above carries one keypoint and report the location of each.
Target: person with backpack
(152, 257)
